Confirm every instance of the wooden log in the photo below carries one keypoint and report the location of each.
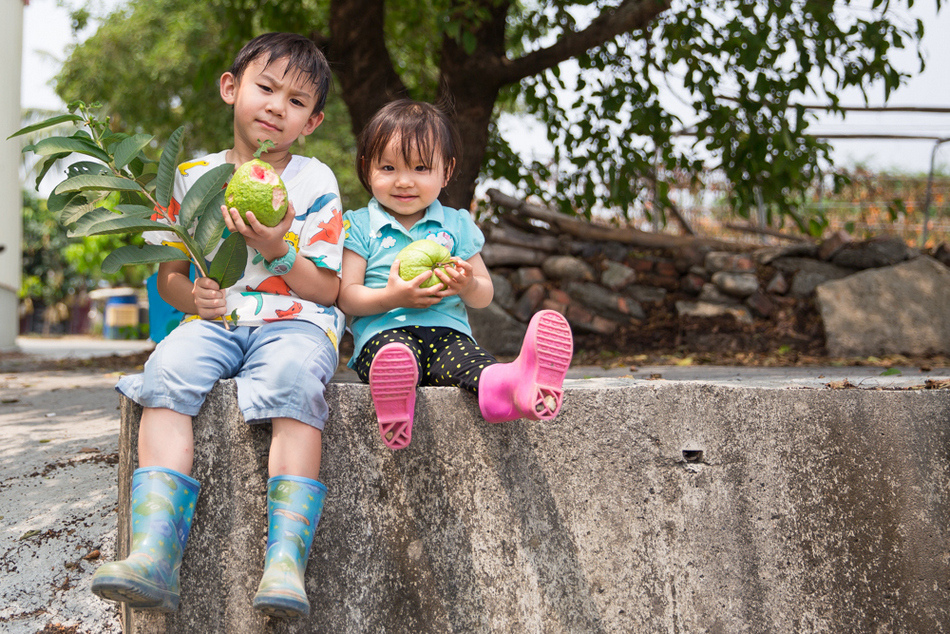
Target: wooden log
(508, 255)
(745, 228)
(506, 234)
(589, 231)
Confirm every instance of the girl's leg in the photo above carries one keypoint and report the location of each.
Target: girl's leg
(390, 363)
(457, 361)
(531, 385)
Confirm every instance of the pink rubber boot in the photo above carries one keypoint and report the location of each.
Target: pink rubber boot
(392, 384)
(530, 386)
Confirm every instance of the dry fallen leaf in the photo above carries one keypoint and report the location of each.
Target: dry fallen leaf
(840, 385)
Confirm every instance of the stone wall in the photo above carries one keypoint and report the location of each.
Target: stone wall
(604, 285)
(646, 507)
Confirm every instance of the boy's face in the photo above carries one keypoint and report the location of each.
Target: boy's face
(270, 105)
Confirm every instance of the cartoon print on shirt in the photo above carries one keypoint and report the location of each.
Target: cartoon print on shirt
(442, 237)
(178, 245)
(259, 297)
(388, 242)
(170, 212)
(289, 313)
(321, 261)
(274, 285)
(293, 239)
(329, 231)
(184, 167)
(317, 205)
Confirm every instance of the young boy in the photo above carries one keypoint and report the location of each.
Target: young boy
(275, 332)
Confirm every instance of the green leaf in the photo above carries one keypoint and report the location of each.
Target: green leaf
(48, 123)
(148, 254)
(202, 192)
(228, 264)
(140, 211)
(104, 222)
(86, 167)
(77, 206)
(890, 372)
(210, 225)
(59, 144)
(165, 177)
(87, 182)
(129, 148)
(47, 165)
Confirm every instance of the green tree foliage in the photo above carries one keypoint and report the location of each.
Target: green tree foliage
(155, 66)
(56, 266)
(631, 92)
(123, 191)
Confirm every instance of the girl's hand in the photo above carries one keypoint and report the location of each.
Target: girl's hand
(209, 298)
(268, 241)
(410, 294)
(456, 278)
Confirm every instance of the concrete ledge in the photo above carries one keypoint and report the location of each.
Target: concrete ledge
(646, 507)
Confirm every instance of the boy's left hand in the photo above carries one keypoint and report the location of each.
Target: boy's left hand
(455, 278)
(266, 240)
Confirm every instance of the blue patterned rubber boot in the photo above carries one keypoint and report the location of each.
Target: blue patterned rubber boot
(294, 505)
(163, 506)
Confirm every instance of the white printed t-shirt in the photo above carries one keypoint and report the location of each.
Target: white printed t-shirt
(261, 297)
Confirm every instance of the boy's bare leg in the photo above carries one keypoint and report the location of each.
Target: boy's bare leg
(166, 440)
(295, 449)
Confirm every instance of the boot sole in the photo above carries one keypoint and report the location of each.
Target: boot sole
(392, 383)
(282, 608)
(135, 594)
(553, 347)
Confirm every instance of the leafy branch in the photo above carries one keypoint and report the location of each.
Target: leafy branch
(124, 191)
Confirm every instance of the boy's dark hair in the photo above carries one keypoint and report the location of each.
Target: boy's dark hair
(302, 54)
(420, 126)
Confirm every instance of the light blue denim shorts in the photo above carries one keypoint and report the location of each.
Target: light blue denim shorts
(281, 369)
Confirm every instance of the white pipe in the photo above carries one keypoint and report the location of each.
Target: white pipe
(11, 202)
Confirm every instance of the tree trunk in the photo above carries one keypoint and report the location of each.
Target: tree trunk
(360, 60)
(469, 78)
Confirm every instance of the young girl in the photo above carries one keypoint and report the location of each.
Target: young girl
(406, 334)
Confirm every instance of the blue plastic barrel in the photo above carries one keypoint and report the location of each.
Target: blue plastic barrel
(121, 317)
(162, 317)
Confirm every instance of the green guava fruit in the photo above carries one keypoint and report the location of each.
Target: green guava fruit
(257, 188)
(421, 256)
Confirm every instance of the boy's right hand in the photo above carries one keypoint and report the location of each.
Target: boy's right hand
(409, 294)
(209, 298)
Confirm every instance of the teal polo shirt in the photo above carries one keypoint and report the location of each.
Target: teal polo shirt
(374, 235)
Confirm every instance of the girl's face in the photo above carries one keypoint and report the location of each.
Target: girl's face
(404, 189)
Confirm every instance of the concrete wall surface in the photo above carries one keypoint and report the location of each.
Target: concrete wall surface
(645, 507)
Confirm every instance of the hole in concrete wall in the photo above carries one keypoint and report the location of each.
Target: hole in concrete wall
(693, 455)
(693, 452)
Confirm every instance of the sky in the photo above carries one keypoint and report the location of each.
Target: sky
(46, 33)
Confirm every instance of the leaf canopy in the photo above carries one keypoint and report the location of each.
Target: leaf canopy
(631, 95)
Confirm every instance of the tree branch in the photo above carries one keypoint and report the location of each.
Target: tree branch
(628, 16)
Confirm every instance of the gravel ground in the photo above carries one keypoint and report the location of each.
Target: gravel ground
(58, 469)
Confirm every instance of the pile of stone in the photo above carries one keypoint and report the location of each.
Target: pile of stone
(603, 277)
